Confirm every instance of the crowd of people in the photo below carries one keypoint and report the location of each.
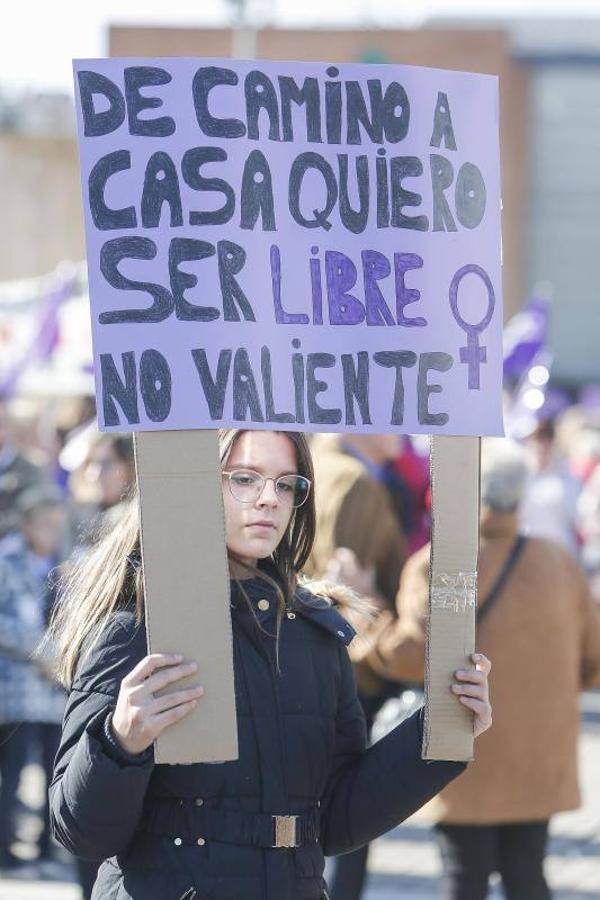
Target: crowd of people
(61, 482)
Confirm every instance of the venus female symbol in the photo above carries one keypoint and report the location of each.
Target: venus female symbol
(473, 354)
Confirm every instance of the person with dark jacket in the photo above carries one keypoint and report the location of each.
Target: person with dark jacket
(304, 785)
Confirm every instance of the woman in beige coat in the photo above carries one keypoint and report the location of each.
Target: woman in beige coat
(543, 634)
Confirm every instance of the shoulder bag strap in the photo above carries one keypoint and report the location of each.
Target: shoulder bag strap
(511, 560)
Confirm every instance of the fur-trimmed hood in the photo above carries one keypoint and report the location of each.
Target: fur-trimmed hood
(355, 611)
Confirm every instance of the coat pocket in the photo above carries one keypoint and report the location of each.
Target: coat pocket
(189, 891)
(153, 886)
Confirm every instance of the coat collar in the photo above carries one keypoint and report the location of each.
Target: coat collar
(319, 610)
(324, 614)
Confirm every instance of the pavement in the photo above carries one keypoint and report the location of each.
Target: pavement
(403, 865)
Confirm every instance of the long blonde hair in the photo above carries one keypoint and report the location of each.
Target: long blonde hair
(109, 576)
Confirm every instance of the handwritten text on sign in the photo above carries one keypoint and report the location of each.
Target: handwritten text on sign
(304, 245)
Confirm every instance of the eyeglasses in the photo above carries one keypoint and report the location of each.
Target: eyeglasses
(246, 486)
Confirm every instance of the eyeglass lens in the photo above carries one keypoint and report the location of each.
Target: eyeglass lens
(246, 486)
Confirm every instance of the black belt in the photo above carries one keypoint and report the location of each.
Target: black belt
(194, 822)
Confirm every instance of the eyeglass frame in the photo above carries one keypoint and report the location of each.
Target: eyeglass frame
(230, 472)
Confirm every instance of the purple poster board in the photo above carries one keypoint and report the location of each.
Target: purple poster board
(296, 245)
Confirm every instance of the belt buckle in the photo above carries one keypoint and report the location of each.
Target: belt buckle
(285, 831)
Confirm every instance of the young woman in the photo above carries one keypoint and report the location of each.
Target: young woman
(304, 784)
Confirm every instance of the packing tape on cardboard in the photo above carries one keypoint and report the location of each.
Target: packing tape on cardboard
(454, 592)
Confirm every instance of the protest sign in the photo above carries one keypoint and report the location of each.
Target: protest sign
(287, 245)
(300, 245)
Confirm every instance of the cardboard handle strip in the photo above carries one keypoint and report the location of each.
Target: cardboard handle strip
(186, 582)
(448, 731)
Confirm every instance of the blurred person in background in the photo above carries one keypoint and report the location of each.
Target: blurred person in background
(412, 465)
(538, 622)
(17, 474)
(578, 440)
(71, 417)
(588, 524)
(359, 542)
(549, 504)
(355, 489)
(33, 429)
(31, 702)
(100, 482)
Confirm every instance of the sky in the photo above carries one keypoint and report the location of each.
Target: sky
(39, 39)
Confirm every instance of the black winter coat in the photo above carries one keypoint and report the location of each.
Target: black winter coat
(205, 831)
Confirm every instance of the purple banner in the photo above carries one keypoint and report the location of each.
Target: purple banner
(296, 245)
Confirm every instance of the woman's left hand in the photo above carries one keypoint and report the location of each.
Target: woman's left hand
(472, 689)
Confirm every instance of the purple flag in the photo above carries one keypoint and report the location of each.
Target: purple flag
(46, 337)
(524, 337)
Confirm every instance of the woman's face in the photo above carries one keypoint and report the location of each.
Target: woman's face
(254, 529)
(111, 474)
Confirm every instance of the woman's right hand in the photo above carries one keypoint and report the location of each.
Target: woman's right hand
(140, 717)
